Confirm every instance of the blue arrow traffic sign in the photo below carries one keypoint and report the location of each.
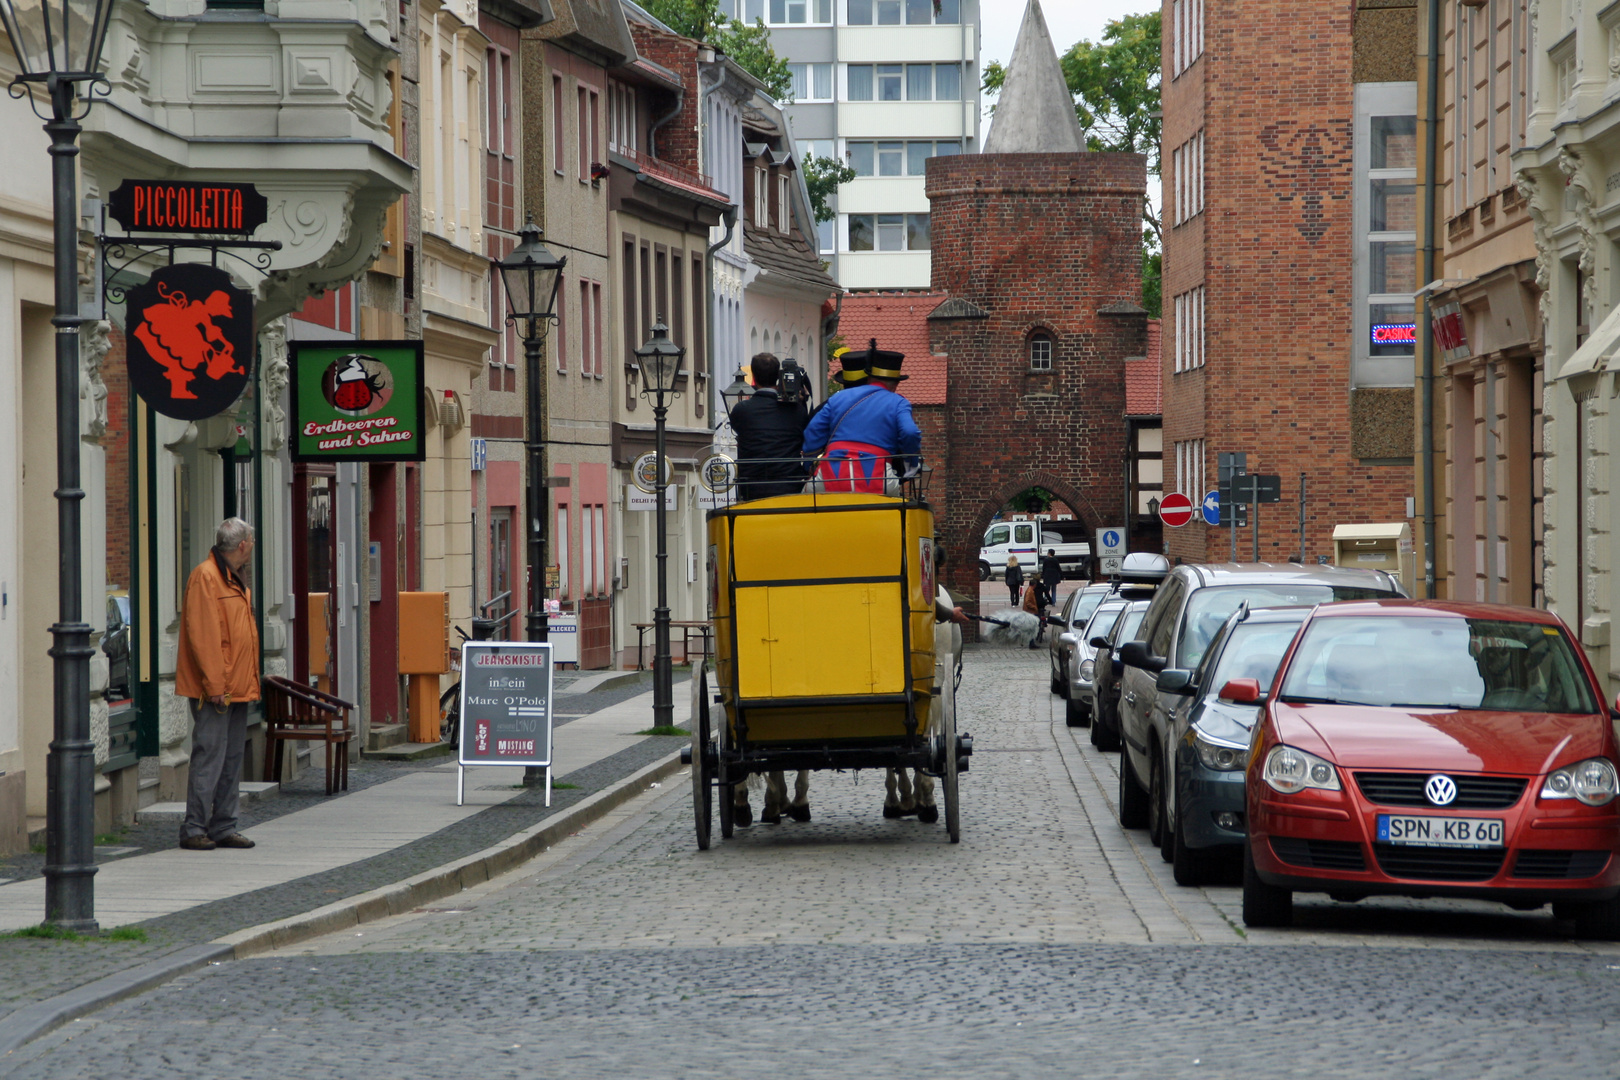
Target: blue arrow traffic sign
(1212, 508)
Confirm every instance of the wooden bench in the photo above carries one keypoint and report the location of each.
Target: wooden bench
(295, 711)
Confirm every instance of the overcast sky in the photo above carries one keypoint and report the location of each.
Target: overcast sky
(1068, 20)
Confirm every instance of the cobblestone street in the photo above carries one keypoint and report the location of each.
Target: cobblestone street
(1049, 942)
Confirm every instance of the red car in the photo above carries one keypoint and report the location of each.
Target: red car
(1429, 748)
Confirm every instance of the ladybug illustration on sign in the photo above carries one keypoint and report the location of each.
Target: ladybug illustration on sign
(357, 384)
(190, 341)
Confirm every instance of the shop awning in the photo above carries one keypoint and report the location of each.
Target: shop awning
(1598, 351)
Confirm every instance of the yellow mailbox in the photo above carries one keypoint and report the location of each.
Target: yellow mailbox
(1384, 546)
(424, 654)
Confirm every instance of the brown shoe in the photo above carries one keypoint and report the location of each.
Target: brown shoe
(197, 843)
(235, 839)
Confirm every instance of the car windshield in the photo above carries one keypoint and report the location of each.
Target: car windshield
(1253, 651)
(1086, 605)
(1210, 607)
(1126, 628)
(1442, 663)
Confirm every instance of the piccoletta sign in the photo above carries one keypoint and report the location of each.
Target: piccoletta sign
(190, 341)
(186, 206)
(506, 703)
(358, 401)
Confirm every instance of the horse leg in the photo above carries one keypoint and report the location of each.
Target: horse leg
(775, 797)
(891, 801)
(741, 812)
(927, 811)
(908, 801)
(799, 808)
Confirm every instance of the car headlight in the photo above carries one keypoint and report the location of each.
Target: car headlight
(1087, 668)
(1289, 770)
(1217, 754)
(1592, 781)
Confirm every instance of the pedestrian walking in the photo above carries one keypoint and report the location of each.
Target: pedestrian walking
(217, 669)
(1015, 578)
(1051, 575)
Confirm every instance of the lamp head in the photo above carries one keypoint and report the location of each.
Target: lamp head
(660, 361)
(56, 38)
(530, 274)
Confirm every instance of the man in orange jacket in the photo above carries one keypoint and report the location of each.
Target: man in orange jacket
(218, 670)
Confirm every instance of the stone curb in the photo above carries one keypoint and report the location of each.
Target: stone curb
(32, 1021)
(447, 880)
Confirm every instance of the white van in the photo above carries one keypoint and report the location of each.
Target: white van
(1006, 538)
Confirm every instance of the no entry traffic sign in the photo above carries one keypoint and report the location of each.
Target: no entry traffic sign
(1176, 510)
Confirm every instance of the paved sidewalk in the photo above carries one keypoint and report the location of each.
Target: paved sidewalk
(334, 855)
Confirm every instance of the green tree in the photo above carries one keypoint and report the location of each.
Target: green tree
(1116, 89)
(823, 175)
(749, 46)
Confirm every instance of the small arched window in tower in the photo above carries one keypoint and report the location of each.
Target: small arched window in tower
(1040, 352)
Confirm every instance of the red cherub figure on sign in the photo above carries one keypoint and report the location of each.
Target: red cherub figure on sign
(180, 335)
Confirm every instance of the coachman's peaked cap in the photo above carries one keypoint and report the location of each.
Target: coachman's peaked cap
(881, 363)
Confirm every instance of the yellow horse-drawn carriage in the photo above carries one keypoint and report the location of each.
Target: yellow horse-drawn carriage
(827, 653)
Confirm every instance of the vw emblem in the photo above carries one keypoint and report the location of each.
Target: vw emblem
(1441, 790)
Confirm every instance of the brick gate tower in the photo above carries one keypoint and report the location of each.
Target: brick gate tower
(1037, 245)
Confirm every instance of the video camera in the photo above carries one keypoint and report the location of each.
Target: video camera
(793, 386)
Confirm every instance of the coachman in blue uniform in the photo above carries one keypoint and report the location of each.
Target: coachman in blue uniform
(861, 429)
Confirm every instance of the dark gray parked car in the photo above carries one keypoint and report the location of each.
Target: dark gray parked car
(1078, 607)
(1106, 672)
(1209, 742)
(1185, 616)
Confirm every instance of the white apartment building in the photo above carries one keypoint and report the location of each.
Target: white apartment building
(883, 85)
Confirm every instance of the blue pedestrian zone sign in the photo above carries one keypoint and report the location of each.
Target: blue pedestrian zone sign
(1110, 538)
(1212, 508)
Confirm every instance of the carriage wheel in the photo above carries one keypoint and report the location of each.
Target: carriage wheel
(946, 703)
(702, 765)
(728, 814)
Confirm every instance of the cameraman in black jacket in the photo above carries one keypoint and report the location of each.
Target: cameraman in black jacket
(770, 434)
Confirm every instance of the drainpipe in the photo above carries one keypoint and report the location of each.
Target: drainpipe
(829, 327)
(652, 132)
(1431, 120)
(708, 255)
(715, 374)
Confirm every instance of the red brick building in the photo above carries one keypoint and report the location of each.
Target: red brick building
(1289, 155)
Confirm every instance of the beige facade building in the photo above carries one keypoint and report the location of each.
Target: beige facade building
(1488, 374)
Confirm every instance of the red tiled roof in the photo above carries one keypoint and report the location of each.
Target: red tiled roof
(1144, 379)
(899, 321)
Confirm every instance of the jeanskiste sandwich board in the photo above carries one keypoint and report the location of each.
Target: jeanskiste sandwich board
(506, 694)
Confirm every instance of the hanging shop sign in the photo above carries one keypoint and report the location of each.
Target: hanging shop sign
(645, 471)
(190, 340)
(358, 401)
(186, 206)
(1450, 333)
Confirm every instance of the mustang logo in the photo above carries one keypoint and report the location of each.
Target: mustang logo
(181, 336)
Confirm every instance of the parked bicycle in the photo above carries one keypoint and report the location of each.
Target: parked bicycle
(484, 629)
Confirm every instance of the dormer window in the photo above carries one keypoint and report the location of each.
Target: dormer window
(762, 198)
(783, 217)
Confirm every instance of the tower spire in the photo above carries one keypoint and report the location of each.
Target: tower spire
(1036, 112)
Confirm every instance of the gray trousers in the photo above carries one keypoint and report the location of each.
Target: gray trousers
(212, 796)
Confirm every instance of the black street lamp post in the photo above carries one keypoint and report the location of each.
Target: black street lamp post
(531, 275)
(58, 45)
(660, 362)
